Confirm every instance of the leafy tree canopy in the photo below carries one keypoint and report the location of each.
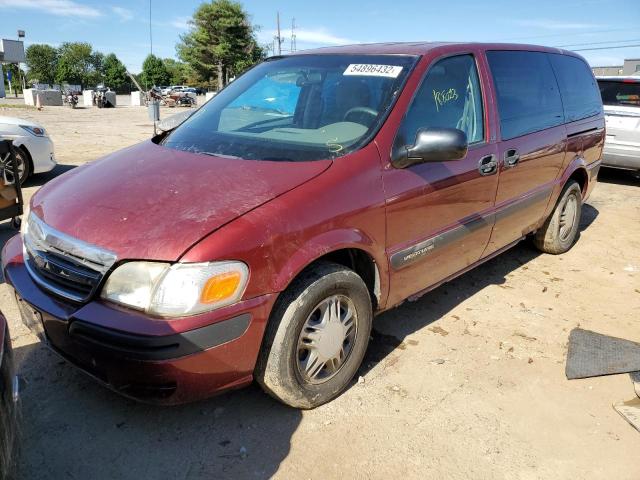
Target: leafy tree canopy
(78, 64)
(221, 41)
(154, 72)
(42, 63)
(115, 73)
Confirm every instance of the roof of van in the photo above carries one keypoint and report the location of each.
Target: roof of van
(420, 48)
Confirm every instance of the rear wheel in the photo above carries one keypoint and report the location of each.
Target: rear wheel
(559, 232)
(317, 337)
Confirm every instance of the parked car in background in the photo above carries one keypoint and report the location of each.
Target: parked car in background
(312, 193)
(621, 99)
(201, 91)
(34, 151)
(8, 404)
(192, 92)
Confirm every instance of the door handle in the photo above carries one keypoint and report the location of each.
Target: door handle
(488, 165)
(511, 158)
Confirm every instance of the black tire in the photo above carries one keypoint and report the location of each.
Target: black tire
(556, 235)
(24, 163)
(278, 369)
(8, 416)
(23, 156)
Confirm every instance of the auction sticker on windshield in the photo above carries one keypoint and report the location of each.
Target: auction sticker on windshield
(371, 70)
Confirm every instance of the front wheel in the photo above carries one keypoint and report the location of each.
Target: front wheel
(559, 232)
(22, 162)
(317, 337)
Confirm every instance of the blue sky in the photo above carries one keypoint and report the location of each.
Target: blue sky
(122, 27)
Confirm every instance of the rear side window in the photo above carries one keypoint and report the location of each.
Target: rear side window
(449, 97)
(580, 96)
(616, 92)
(527, 91)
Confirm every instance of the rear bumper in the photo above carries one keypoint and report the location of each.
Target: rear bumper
(621, 156)
(147, 359)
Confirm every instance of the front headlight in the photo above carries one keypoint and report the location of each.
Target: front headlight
(37, 131)
(176, 290)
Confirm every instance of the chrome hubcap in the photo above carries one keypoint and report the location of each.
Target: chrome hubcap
(7, 170)
(568, 217)
(327, 339)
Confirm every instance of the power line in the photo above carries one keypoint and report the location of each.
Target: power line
(597, 43)
(565, 34)
(605, 48)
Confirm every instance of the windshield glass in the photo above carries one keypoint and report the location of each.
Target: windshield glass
(620, 93)
(305, 107)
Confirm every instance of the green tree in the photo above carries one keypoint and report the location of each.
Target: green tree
(96, 74)
(78, 64)
(16, 78)
(42, 63)
(221, 41)
(154, 73)
(115, 73)
(176, 70)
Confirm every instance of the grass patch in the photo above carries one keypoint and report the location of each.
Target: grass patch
(18, 106)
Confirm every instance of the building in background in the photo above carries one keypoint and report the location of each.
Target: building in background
(11, 51)
(631, 67)
(607, 71)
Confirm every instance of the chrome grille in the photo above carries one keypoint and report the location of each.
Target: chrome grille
(64, 265)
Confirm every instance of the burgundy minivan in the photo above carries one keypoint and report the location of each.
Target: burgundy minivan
(259, 238)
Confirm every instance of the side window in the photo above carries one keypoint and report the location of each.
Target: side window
(527, 92)
(580, 94)
(449, 97)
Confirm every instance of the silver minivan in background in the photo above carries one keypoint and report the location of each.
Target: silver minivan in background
(621, 99)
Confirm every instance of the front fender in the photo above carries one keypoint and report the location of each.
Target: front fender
(332, 241)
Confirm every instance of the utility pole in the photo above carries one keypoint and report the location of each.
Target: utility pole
(293, 35)
(21, 36)
(150, 32)
(278, 37)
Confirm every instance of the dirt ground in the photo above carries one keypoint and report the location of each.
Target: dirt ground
(465, 383)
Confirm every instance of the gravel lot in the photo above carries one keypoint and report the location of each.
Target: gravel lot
(467, 382)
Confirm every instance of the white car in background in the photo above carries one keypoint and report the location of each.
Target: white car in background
(34, 148)
(621, 99)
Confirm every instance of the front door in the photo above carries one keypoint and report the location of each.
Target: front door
(440, 214)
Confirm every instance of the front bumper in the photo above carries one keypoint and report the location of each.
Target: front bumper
(41, 151)
(157, 361)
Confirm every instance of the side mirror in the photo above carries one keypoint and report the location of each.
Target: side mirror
(433, 145)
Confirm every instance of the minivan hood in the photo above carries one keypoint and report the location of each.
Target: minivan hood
(152, 202)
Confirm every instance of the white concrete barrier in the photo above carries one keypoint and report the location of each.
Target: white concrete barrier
(87, 98)
(136, 99)
(110, 97)
(48, 98)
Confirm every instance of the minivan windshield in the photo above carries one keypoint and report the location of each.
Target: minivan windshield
(616, 92)
(298, 108)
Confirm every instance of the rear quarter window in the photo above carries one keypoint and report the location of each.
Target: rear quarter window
(578, 88)
(527, 92)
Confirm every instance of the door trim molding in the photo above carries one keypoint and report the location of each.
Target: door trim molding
(419, 251)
